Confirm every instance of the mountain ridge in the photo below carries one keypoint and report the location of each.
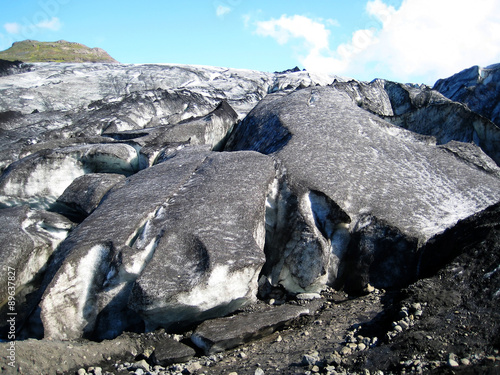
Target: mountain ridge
(59, 51)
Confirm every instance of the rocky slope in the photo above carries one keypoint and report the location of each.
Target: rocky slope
(60, 51)
(173, 213)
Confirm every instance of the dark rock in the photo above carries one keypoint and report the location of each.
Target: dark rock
(86, 192)
(13, 67)
(168, 351)
(29, 237)
(367, 172)
(217, 335)
(203, 211)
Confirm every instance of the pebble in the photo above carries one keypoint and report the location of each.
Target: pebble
(242, 355)
(346, 351)
(310, 359)
(465, 362)
(452, 360)
(82, 371)
(194, 366)
(416, 306)
(361, 346)
(233, 373)
(404, 324)
(141, 365)
(259, 371)
(398, 328)
(315, 369)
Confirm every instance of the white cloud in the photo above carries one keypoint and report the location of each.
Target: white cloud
(53, 24)
(433, 38)
(222, 10)
(314, 33)
(12, 28)
(29, 30)
(421, 41)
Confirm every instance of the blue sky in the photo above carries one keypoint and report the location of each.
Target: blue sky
(404, 40)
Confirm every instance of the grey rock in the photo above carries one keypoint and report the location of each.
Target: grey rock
(169, 351)
(366, 195)
(310, 359)
(29, 238)
(193, 367)
(203, 211)
(142, 365)
(86, 192)
(217, 335)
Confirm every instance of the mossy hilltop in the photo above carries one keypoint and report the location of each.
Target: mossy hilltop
(60, 51)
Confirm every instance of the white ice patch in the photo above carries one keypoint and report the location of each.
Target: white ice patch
(290, 283)
(66, 307)
(222, 288)
(140, 259)
(271, 205)
(43, 185)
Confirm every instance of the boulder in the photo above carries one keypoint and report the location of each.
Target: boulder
(86, 192)
(29, 238)
(168, 351)
(369, 194)
(217, 335)
(203, 212)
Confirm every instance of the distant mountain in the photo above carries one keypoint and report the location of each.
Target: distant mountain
(60, 51)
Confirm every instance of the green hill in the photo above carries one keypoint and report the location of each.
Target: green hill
(60, 51)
